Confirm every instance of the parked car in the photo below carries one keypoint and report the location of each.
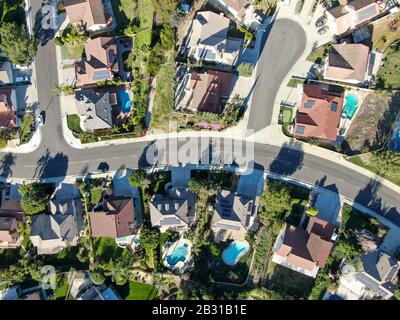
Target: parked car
(22, 79)
(320, 22)
(39, 120)
(323, 30)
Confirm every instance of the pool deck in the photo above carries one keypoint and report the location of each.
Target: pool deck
(171, 248)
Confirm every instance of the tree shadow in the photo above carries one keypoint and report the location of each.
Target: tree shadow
(370, 197)
(51, 166)
(289, 159)
(6, 164)
(43, 26)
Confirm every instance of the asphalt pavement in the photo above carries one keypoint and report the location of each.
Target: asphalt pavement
(284, 45)
(55, 158)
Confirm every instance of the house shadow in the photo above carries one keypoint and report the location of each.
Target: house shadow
(51, 165)
(370, 197)
(47, 22)
(6, 164)
(288, 160)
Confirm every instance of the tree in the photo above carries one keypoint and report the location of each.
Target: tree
(119, 271)
(275, 202)
(16, 43)
(245, 69)
(311, 211)
(59, 41)
(139, 178)
(167, 37)
(34, 197)
(231, 116)
(149, 240)
(73, 37)
(97, 276)
(132, 28)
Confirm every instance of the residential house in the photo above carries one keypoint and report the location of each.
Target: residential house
(349, 14)
(209, 41)
(204, 91)
(376, 277)
(347, 62)
(95, 107)
(17, 293)
(118, 218)
(61, 228)
(174, 212)
(236, 8)
(99, 293)
(101, 62)
(89, 15)
(8, 105)
(6, 72)
(305, 251)
(11, 215)
(319, 113)
(234, 216)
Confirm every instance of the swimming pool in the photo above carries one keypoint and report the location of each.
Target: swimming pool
(179, 254)
(235, 251)
(125, 101)
(350, 107)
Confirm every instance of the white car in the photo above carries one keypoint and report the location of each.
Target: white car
(21, 79)
(39, 120)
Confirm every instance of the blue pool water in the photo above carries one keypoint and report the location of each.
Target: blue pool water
(125, 101)
(350, 107)
(179, 254)
(232, 254)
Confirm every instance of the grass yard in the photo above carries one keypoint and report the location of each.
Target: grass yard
(137, 291)
(127, 57)
(26, 128)
(389, 74)
(73, 122)
(382, 37)
(145, 12)
(287, 116)
(353, 219)
(293, 83)
(163, 103)
(107, 248)
(319, 54)
(96, 194)
(287, 281)
(62, 287)
(72, 52)
(124, 11)
(65, 259)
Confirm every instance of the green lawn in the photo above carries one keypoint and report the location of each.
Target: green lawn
(137, 291)
(353, 219)
(319, 54)
(65, 259)
(62, 287)
(73, 122)
(96, 194)
(146, 11)
(128, 60)
(72, 52)
(293, 83)
(26, 128)
(124, 11)
(389, 74)
(106, 249)
(287, 115)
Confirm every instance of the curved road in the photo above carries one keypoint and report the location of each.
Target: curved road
(54, 158)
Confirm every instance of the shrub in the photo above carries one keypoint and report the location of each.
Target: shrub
(214, 250)
(97, 276)
(311, 211)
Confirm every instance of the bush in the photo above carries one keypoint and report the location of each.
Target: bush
(214, 250)
(3, 143)
(59, 41)
(97, 276)
(245, 69)
(34, 197)
(311, 211)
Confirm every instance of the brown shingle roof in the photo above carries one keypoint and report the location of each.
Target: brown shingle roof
(322, 119)
(116, 220)
(87, 12)
(347, 61)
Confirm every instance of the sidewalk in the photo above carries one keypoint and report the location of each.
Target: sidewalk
(28, 147)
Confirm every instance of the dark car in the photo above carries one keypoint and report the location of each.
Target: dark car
(43, 115)
(320, 22)
(103, 167)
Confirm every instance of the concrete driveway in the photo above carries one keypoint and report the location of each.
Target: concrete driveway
(284, 45)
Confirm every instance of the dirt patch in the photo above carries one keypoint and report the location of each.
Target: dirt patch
(371, 128)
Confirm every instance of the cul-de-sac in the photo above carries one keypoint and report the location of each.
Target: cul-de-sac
(199, 150)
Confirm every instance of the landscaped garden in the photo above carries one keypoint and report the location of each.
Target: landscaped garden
(133, 290)
(73, 122)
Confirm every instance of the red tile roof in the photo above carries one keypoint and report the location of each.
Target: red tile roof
(321, 120)
(208, 89)
(7, 109)
(306, 250)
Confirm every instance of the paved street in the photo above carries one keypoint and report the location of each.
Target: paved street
(285, 43)
(54, 158)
